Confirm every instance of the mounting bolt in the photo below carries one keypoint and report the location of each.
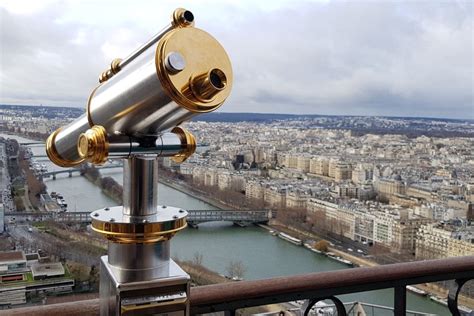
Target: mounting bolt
(163, 206)
(95, 214)
(112, 220)
(181, 211)
(106, 209)
(175, 62)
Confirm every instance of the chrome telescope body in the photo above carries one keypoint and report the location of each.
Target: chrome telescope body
(179, 73)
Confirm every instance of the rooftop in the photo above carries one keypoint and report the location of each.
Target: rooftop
(12, 256)
(49, 269)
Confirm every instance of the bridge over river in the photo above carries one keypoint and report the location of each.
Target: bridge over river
(195, 217)
(33, 143)
(72, 170)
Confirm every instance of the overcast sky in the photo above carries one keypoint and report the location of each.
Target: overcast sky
(403, 58)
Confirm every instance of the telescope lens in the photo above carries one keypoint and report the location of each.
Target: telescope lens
(218, 79)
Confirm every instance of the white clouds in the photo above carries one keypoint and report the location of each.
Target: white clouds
(374, 57)
(363, 59)
(26, 7)
(121, 43)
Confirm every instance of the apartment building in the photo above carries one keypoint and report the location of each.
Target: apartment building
(303, 163)
(319, 166)
(438, 240)
(275, 197)
(296, 199)
(404, 234)
(389, 187)
(254, 190)
(420, 192)
(340, 170)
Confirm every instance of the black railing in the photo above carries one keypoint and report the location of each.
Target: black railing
(313, 287)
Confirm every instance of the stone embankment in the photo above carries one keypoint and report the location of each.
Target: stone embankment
(196, 193)
(108, 185)
(431, 288)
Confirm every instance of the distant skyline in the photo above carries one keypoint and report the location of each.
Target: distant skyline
(382, 58)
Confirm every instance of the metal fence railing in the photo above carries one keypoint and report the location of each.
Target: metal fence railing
(312, 288)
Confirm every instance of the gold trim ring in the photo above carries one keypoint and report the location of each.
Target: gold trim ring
(53, 154)
(117, 227)
(188, 143)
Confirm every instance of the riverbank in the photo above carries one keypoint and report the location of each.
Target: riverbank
(113, 189)
(201, 275)
(183, 187)
(430, 288)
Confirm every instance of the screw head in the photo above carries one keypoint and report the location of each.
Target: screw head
(106, 209)
(112, 220)
(175, 62)
(163, 206)
(95, 214)
(175, 216)
(181, 211)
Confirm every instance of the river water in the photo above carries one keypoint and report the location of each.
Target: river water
(262, 254)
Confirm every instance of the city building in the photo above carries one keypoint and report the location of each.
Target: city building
(441, 240)
(31, 274)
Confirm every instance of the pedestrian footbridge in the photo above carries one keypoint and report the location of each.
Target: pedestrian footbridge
(195, 217)
(241, 218)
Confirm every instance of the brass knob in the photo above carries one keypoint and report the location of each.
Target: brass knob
(182, 18)
(93, 145)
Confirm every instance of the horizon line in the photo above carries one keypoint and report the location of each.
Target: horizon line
(270, 113)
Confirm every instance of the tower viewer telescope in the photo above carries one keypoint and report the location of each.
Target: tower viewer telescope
(179, 73)
(135, 114)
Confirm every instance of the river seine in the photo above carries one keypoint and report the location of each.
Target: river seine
(262, 254)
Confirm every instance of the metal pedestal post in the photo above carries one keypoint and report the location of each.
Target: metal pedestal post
(138, 277)
(159, 296)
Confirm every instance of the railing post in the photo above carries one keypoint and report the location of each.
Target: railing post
(229, 312)
(400, 301)
(454, 289)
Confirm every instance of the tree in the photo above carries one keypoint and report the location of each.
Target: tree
(321, 245)
(78, 271)
(197, 258)
(94, 278)
(236, 269)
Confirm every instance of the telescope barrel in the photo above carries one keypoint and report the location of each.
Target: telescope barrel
(179, 73)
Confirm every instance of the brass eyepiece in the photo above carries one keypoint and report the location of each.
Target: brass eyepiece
(206, 86)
